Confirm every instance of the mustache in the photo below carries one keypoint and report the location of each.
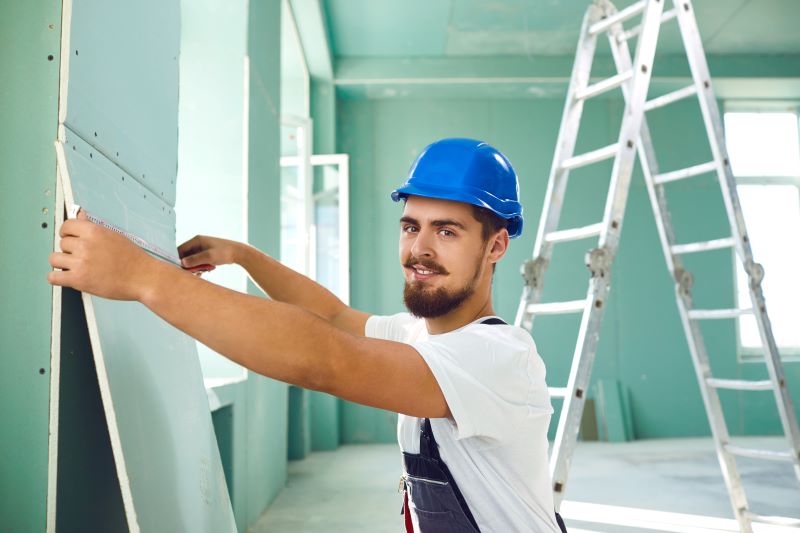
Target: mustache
(427, 263)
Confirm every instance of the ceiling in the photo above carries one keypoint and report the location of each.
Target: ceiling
(451, 28)
(526, 48)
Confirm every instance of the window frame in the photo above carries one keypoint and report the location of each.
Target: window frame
(749, 354)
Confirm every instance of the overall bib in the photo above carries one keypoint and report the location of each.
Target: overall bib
(439, 504)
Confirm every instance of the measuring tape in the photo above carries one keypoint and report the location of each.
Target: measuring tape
(138, 241)
(73, 211)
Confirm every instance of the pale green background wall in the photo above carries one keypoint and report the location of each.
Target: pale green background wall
(642, 342)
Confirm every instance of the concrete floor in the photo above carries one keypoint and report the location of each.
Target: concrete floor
(670, 485)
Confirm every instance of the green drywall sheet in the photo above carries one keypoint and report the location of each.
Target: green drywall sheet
(123, 85)
(88, 490)
(120, 111)
(642, 344)
(156, 406)
(223, 430)
(29, 50)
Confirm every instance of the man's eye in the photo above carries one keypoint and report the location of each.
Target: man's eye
(409, 229)
(447, 233)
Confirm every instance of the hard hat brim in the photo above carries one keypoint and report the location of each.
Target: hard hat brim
(509, 210)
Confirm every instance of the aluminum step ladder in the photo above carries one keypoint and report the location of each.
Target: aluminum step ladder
(633, 78)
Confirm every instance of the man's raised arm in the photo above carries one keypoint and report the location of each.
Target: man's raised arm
(280, 282)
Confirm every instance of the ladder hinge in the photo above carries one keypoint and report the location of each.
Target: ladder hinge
(685, 280)
(533, 272)
(756, 272)
(598, 261)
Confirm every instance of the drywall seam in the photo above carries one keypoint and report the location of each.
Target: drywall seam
(102, 377)
(55, 330)
(63, 69)
(55, 372)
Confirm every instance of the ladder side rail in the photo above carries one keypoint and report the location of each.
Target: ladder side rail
(701, 364)
(565, 146)
(713, 122)
(637, 91)
(620, 51)
(714, 411)
(600, 259)
(693, 333)
(567, 133)
(577, 384)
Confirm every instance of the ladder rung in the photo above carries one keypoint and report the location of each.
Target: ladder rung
(633, 32)
(774, 520)
(689, 172)
(669, 98)
(715, 314)
(716, 244)
(575, 234)
(753, 453)
(604, 86)
(557, 392)
(620, 16)
(588, 158)
(739, 384)
(557, 308)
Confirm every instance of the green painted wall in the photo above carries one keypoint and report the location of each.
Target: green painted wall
(266, 399)
(642, 343)
(323, 408)
(30, 34)
(211, 181)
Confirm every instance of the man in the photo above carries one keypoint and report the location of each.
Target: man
(469, 389)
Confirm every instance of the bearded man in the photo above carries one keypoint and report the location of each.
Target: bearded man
(469, 389)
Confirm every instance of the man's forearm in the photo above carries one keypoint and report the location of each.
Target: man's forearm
(283, 284)
(272, 338)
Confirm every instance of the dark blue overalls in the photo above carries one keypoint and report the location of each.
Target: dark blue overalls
(439, 504)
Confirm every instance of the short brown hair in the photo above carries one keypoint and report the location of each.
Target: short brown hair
(490, 223)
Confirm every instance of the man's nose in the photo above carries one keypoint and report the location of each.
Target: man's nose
(423, 244)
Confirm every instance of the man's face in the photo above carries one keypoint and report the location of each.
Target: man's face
(442, 253)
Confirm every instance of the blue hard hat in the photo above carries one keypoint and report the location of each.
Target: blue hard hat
(469, 171)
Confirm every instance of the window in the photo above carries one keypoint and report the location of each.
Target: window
(314, 188)
(764, 148)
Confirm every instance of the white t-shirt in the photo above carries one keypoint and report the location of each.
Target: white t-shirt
(496, 447)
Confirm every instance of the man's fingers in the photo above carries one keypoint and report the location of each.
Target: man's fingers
(58, 277)
(191, 246)
(75, 227)
(61, 260)
(199, 258)
(69, 244)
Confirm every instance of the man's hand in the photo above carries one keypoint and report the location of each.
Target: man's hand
(102, 262)
(203, 250)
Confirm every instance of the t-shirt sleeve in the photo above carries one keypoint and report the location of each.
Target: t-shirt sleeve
(390, 328)
(492, 383)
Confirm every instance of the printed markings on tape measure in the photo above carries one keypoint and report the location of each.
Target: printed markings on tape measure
(73, 211)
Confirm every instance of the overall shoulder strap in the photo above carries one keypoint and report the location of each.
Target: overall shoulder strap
(427, 442)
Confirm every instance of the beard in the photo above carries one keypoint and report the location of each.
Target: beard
(424, 302)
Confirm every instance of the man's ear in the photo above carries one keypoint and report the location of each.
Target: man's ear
(499, 246)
